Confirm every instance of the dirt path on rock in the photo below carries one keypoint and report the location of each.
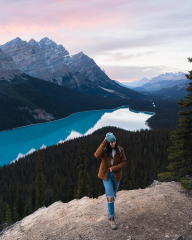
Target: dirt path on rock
(159, 212)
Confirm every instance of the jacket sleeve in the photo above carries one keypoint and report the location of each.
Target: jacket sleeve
(122, 164)
(100, 150)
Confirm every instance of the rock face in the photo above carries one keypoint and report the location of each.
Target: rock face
(39, 114)
(160, 211)
(51, 62)
(8, 68)
(38, 59)
(87, 67)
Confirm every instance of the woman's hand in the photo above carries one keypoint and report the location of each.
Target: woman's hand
(110, 169)
(106, 138)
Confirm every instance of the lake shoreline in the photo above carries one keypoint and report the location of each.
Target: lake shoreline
(73, 114)
(58, 119)
(22, 140)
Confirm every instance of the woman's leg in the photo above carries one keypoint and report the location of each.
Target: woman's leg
(109, 191)
(115, 185)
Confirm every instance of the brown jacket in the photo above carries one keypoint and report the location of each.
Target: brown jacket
(118, 163)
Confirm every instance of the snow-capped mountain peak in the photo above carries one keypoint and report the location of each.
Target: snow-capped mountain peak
(48, 44)
(168, 76)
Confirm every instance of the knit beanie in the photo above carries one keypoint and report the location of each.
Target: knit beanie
(110, 137)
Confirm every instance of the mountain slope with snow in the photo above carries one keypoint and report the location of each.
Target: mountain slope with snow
(166, 80)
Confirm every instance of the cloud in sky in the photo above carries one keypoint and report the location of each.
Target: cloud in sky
(122, 36)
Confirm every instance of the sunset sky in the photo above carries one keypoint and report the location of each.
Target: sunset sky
(130, 39)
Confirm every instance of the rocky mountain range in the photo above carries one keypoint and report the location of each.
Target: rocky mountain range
(51, 62)
(155, 82)
(156, 86)
(38, 59)
(162, 81)
(168, 76)
(27, 100)
(167, 86)
(175, 92)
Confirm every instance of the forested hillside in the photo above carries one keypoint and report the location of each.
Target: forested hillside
(21, 98)
(145, 150)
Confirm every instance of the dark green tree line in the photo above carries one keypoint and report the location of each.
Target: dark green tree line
(39, 183)
(180, 157)
(84, 185)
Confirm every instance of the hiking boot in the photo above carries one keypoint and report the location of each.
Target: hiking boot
(112, 223)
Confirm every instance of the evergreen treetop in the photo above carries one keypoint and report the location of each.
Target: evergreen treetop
(180, 167)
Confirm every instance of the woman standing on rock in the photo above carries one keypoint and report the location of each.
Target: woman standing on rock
(110, 171)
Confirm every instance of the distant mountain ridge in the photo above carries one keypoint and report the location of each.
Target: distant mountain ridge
(162, 81)
(136, 83)
(175, 92)
(168, 76)
(155, 86)
(161, 77)
(167, 86)
(51, 62)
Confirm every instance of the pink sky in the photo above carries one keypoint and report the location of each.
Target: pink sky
(130, 39)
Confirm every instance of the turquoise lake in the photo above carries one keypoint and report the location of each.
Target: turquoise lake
(21, 141)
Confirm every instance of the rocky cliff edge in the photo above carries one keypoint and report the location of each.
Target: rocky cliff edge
(160, 211)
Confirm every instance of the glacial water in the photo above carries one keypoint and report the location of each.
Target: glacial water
(21, 141)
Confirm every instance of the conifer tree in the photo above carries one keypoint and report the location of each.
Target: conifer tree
(55, 191)
(125, 179)
(1, 217)
(8, 216)
(62, 189)
(15, 214)
(48, 195)
(82, 189)
(180, 166)
(132, 173)
(39, 183)
(90, 189)
(1, 211)
(145, 181)
(28, 207)
(32, 194)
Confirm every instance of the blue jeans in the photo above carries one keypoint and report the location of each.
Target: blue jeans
(111, 190)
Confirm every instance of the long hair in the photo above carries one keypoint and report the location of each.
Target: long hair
(108, 148)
